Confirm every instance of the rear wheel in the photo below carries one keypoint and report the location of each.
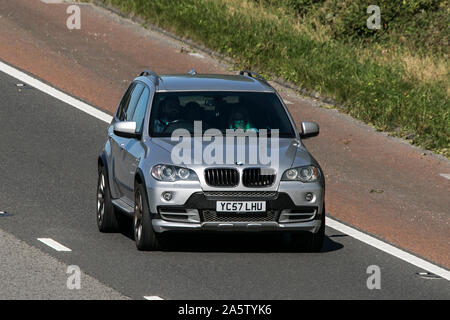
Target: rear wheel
(106, 216)
(144, 235)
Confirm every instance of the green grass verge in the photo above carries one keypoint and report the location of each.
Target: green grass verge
(377, 89)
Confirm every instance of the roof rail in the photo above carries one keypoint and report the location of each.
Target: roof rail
(146, 73)
(254, 75)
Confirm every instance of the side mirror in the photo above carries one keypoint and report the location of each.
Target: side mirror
(309, 129)
(126, 129)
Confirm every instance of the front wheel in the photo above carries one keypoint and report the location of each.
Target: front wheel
(144, 235)
(106, 215)
(316, 240)
(311, 242)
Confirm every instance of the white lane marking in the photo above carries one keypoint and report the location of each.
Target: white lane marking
(153, 298)
(445, 175)
(383, 246)
(53, 244)
(55, 93)
(330, 222)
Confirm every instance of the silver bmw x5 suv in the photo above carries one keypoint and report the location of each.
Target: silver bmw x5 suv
(200, 152)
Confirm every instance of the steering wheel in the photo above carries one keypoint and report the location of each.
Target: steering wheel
(184, 124)
(175, 122)
(167, 123)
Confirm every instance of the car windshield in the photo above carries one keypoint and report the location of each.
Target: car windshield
(218, 110)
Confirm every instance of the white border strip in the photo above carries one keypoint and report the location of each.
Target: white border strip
(53, 244)
(418, 262)
(55, 93)
(383, 246)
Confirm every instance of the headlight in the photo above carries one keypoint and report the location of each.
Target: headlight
(163, 172)
(303, 174)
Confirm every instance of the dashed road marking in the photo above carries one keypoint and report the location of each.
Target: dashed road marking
(153, 298)
(383, 246)
(54, 244)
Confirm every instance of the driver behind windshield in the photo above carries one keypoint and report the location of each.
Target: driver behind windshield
(240, 120)
(170, 112)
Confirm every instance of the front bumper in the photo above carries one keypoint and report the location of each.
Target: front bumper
(283, 213)
(160, 225)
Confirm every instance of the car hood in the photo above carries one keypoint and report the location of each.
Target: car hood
(290, 151)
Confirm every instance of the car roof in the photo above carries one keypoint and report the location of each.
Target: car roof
(210, 82)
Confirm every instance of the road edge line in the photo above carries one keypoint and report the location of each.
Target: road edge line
(388, 248)
(64, 97)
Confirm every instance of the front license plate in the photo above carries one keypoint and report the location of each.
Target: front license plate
(240, 206)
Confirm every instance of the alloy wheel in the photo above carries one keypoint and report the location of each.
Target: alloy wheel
(138, 217)
(101, 199)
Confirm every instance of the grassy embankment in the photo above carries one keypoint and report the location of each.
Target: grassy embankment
(395, 78)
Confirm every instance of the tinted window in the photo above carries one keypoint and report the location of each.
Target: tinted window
(139, 112)
(219, 110)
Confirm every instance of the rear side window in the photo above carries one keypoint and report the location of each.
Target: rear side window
(141, 106)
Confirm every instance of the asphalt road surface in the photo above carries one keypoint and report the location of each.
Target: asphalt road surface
(48, 170)
(29, 273)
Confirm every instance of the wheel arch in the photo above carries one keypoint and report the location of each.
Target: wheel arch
(139, 178)
(101, 161)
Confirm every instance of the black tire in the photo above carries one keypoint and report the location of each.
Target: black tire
(106, 215)
(145, 237)
(316, 240)
(310, 242)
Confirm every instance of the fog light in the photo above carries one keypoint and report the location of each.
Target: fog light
(309, 196)
(167, 196)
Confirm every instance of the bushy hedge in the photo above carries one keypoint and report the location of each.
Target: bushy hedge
(419, 24)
